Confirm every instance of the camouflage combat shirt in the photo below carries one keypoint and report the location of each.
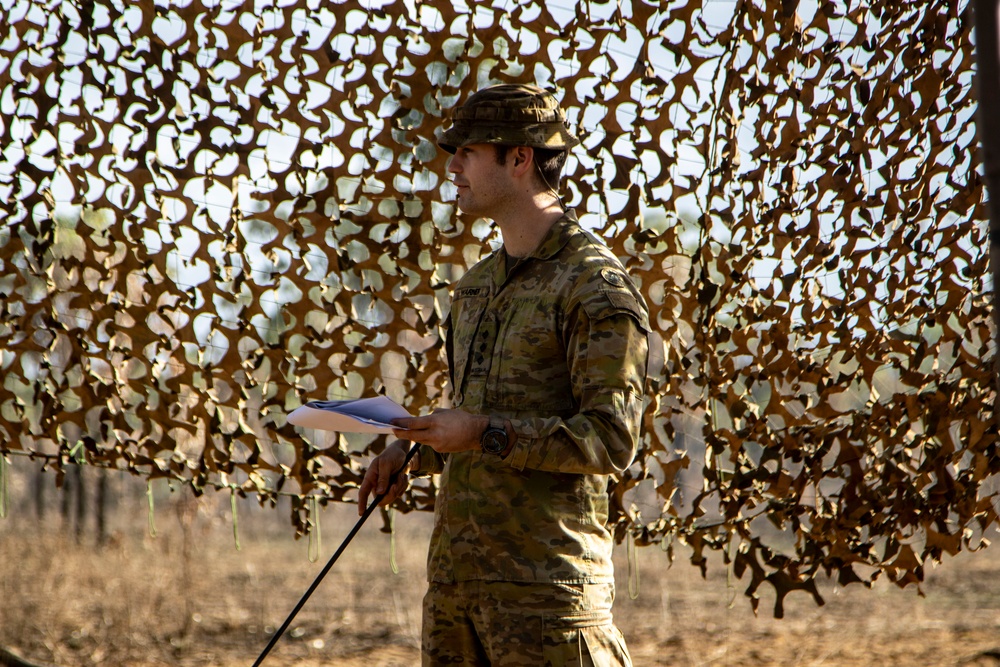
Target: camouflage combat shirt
(558, 346)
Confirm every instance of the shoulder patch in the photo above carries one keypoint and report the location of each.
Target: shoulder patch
(613, 277)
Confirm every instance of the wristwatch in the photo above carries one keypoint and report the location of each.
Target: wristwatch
(494, 438)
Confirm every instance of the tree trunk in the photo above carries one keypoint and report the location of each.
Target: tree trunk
(66, 501)
(39, 495)
(102, 507)
(81, 503)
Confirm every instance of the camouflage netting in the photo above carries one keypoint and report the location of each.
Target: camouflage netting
(214, 212)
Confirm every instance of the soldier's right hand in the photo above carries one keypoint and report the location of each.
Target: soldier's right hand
(379, 474)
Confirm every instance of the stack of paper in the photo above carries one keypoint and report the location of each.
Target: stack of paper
(360, 415)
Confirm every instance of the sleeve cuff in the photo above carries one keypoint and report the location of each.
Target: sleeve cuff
(431, 463)
(517, 458)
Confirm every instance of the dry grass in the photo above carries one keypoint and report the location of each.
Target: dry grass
(188, 597)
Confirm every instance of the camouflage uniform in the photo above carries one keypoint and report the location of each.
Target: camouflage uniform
(520, 557)
(517, 624)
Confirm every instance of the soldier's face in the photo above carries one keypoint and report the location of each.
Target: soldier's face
(483, 184)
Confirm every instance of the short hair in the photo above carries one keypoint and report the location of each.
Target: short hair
(549, 162)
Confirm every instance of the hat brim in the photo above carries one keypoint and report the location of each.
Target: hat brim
(536, 135)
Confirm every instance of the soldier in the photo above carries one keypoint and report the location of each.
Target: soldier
(547, 355)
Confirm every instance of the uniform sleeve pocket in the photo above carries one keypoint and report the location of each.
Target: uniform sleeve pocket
(607, 304)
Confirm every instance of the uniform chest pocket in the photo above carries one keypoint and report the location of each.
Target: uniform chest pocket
(531, 368)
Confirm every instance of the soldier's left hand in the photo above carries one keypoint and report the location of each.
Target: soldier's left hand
(444, 430)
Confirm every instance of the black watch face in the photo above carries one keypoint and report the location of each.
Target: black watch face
(494, 441)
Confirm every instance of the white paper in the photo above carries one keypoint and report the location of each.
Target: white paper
(361, 415)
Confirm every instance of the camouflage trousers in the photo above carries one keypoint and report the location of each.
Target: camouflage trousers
(500, 623)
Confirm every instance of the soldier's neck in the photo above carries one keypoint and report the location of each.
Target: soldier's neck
(523, 228)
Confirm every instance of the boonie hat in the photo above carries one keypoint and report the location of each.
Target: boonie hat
(509, 114)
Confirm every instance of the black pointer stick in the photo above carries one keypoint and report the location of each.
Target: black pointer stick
(340, 550)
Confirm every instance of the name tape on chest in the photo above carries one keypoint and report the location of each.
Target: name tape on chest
(469, 292)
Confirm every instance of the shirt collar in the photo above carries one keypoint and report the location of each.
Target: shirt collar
(558, 236)
(554, 240)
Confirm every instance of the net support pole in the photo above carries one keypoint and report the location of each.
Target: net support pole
(987, 32)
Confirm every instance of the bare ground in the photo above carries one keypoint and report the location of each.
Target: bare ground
(188, 597)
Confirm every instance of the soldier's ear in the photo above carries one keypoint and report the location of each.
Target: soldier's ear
(522, 159)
